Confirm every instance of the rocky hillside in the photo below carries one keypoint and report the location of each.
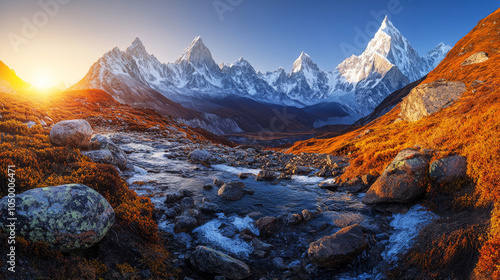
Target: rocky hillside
(454, 110)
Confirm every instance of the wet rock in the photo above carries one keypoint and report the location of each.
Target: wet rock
(476, 58)
(300, 170)
(267, 225)
(185, 192)
(209, 208)
(307, 215)
(354, 185)
(73, 133)
(244, 175)
(265, 175)
(228, 230)
(184, 223)
(402, 181)
(170, 213)
(207, 187)
(338, 249)
(218, 182)
(260, 254)
(172, 197)
(232, 191)
(284, 176)
(211, 261)
(429, 98)
(329, 186)
(67, 217)
(202, 156)
(279, 262)
(294, 219)
(259, 245)
(449, 169)
(187, 202)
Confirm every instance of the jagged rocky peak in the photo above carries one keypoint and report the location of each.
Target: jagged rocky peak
(196, 53)
(304, 61)
(436, 55)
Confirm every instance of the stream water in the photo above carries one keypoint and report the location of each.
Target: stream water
(160, 173)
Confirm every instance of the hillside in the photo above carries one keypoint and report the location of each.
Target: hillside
(469, 127)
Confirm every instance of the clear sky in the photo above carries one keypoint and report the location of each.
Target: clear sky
(48, 41)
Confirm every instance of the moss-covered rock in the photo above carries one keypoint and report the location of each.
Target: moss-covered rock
(67, 217)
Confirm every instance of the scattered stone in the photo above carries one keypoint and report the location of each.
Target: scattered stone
(73, 133)
(228, 230)
(338, 249)
(259, 245)
(284, 176)
(279, 262)
(265, 175)
(449, 169)
(67, 217)
(267, 225)
(219, 277)
(118, 156)
(218, 182)
(209, 208)
(232, 191)
(294, 219)
(172, 197)
(211, 261)
(187, 202)
(184, 223)
(170, 213)
(202, 156)
(207, 187)
(328, 186)
(476, 58)
(244, 175)
(30, 124)
(402, 181)
(307, 215)
(429, 98)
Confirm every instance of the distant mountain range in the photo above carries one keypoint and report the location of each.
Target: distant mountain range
(317, 97)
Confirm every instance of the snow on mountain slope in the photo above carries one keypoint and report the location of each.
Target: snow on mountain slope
(195, 80)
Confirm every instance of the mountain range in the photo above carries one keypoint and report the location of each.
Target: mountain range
(203, 88)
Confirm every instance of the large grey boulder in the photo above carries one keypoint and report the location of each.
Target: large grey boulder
(203, 156)
(476, 58)
(214, 262)
(448, 169)
(402, 181)
(73, 133)
(107, 148)
(232, 191)
(67, 217)
(338, 249)
(429, 98)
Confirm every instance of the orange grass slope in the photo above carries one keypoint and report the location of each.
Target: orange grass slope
(470, 127)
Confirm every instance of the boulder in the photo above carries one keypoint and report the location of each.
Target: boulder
(214, 262)
(257, 244)
(307, 215)
(402, 181)
(338, 249)
(67, 217)
(218, 182)
(476, 58)
(232, 191)
(73, 133)
(449, 169)
(294, 219)
(184, 223)
(106, 146)
(203, 156)
(429, 98)
(265, 175)
(267, 225)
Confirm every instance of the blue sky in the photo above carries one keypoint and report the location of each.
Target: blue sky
(267, 33)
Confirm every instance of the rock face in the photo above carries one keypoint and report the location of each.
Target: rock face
(68, 217)
(476, 58)
(74, 133)
(429, 98)
(232, 191)
(338, 249)
(211, 261)
(402, 180)
(109, 152)
(449, 169)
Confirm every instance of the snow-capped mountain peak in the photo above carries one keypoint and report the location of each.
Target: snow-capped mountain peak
(302, 62)
(437, 54)
(388, 28)
(196, 53)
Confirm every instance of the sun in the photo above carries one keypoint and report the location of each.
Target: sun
(43, 80)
